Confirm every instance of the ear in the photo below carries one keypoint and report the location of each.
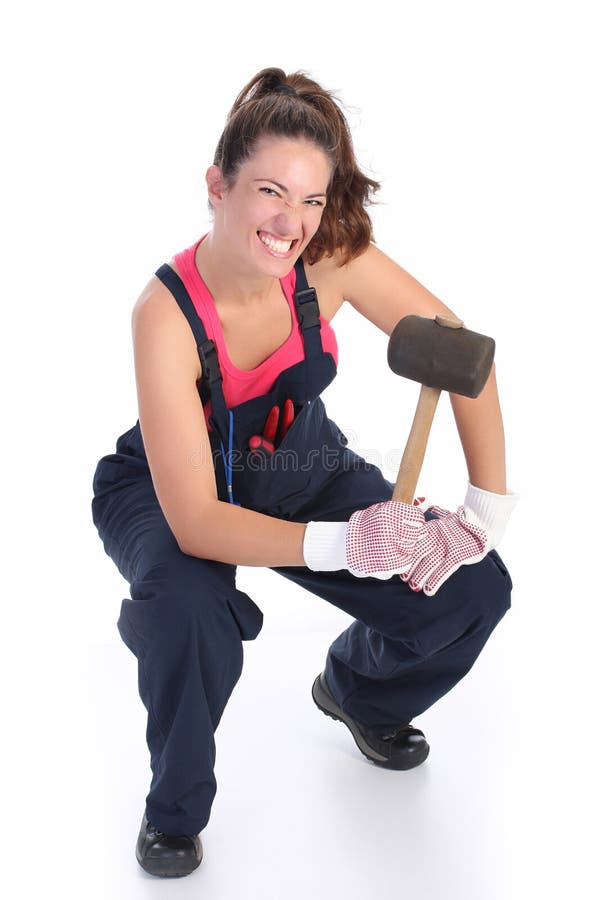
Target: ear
(215, 184)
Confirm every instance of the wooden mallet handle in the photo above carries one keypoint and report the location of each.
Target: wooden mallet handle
(414, 452)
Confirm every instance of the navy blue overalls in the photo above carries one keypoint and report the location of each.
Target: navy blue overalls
(185, 620)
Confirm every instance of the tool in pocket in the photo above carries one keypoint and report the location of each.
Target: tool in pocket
(264, 444)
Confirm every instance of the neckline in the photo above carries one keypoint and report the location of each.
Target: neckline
(224, 359)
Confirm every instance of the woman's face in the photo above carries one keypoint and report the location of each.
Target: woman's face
(274, 207)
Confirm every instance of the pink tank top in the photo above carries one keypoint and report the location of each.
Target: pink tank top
(240, 385)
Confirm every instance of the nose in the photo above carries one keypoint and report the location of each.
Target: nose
(289, 218)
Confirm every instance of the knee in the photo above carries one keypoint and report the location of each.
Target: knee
(184, 595)
(466, 608)
(175, 593)
(484, 589)
(504, 589)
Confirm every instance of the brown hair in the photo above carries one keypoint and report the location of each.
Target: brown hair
(296, 106)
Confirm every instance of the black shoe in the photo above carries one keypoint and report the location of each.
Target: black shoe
(402, 748)
(168, 855)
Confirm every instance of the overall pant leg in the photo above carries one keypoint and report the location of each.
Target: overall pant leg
(404, 650)
(185, 622)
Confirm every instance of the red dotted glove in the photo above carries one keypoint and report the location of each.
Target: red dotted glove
(447, 543)
(392, 538)
(381, 540)
(458, 539)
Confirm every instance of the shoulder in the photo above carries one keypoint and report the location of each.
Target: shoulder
(377, 288)
(371, 264)
(156, 305)
(157, 319)
(376, 274)
(335, 274)
(335, 280)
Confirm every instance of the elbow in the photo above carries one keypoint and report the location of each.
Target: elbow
(193, 536)
(190, 545)
(184, 546)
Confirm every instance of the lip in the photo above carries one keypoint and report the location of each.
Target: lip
(274, 253)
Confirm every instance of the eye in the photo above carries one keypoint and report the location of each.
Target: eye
(315, 203)
(270, 192)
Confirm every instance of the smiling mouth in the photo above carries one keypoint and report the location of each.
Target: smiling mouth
(278, 247)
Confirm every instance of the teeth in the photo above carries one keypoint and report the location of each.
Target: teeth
(277, 246)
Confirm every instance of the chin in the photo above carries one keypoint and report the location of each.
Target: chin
(277, 268)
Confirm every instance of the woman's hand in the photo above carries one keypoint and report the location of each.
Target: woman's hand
(377, 541)
(447, 542)
(451, 540)
(392, 538)
(382, 540)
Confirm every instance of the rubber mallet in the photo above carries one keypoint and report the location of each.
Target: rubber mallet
(442, 355)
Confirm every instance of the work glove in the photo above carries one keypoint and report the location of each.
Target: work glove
(379, 541)
(458, 539)
(392, 538)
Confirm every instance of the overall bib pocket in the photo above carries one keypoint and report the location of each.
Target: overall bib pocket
(281, 483)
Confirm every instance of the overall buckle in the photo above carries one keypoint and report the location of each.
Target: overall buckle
(211, 372)
(210, 363)
(307, 307)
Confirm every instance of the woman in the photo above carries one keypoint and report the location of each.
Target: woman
(234, 461)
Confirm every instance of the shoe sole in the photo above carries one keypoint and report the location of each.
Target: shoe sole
(325, 702)
(162, 869)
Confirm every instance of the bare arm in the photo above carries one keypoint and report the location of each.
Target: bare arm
(481, 432)
(232, 534)
(384, 292)
(179, 452)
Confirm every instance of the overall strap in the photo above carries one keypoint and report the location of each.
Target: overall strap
(211, 386)
(307, 310)
(212, 380)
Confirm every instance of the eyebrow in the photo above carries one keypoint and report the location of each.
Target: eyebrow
(283, 188)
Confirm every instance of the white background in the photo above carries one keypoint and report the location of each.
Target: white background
(480, 119)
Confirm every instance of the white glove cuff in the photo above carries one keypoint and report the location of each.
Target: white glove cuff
(324, 546)
(490, 511)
